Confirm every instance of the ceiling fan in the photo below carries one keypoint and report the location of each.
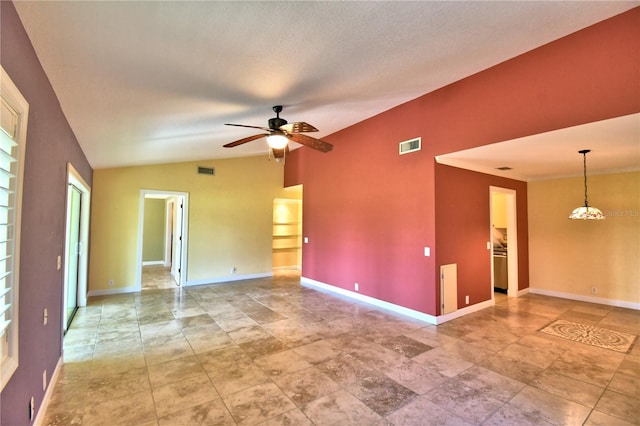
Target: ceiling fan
(280, 132)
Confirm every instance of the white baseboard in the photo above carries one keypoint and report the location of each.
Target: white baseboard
(435, 320)
(110, 291)
(590, 299)
(465, 311)
(228, 278)
(53, 380)
(153, 262)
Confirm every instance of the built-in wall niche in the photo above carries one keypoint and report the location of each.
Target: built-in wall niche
(287, 233)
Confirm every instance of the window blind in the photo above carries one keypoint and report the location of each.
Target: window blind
(8, 165)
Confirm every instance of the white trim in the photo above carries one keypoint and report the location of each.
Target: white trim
(590, 299)
(153, 262)
(11, 94)
(47, 395)
(371, 300)
(74, 178)
(466, 311)
(228, 278)
(110, 291)
(421, 316)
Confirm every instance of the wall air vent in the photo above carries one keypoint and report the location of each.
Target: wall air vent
(207, 171)
(410, 146)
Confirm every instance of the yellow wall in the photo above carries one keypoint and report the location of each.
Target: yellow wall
(572, 256)
(499, 209)
(154, 229)
(230, 217)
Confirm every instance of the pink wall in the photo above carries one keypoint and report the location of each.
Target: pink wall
(462, 229)
(50, 145)
(368, 212)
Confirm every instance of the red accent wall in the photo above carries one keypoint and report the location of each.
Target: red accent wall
(368, 212)
(50, 145)
(463, 225)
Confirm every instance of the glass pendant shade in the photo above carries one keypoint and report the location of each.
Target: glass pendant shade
(277, 141)
(586, 212)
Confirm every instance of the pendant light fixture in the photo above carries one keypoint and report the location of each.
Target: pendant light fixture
(586, 212)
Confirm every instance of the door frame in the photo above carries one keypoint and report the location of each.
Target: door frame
(512, 246)
(74, 178)
(184, 243)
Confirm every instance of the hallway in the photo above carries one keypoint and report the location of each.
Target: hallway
(270, 351)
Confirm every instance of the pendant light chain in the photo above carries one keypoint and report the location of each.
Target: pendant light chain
(584, 155)
(586, 212)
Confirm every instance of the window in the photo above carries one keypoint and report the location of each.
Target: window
(13, 129)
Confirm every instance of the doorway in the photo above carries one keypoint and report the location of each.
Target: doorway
(163, 236)
(76, 244)
(287, 231)
(504, 241)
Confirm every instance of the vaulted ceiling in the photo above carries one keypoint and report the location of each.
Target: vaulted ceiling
(155, 82)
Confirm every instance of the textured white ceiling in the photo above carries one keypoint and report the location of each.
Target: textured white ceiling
(154, 82)
(614, 145)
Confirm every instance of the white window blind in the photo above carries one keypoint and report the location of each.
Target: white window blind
(8, 163)
(13, 127)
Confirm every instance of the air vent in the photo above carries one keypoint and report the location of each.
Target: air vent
(207, 171)
(410, 146)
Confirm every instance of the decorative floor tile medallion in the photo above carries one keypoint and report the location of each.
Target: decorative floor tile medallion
(590, 335)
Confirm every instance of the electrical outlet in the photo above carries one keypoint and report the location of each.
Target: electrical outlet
(45, 316)
(110, 283)
(594, 290)
(427, 251)
(44, 380)
(306, 240)
(233, 270)
(466, 300)
(356, 286)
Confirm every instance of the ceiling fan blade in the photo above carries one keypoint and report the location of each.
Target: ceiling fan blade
(266, 129)
(298, 127)
(245, 140)
(314, 143)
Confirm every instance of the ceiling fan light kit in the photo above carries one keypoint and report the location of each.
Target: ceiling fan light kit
(586, 212)
(280, 132)
(277, 140)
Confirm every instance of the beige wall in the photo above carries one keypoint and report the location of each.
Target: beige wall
(154, 229)
(230, 218)
(572, 256)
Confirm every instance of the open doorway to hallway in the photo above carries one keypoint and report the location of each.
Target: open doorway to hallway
(162, 251)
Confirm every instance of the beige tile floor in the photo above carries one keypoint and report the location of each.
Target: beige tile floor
(273, 352)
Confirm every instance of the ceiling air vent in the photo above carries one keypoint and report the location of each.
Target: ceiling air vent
(207, 171)
(410, 146)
